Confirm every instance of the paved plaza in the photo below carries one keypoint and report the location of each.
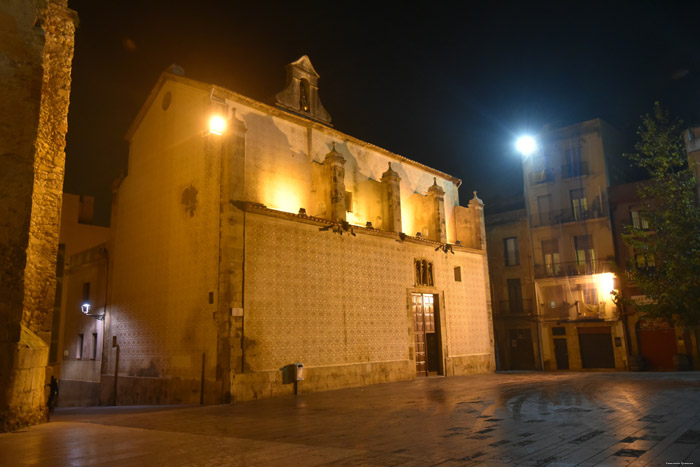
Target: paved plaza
(529, 419)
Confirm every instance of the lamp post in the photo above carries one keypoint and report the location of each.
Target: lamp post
(527, 145)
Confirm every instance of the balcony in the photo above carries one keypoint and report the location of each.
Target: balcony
(507, 308)
(543, 176)
(578, 312)
(561, 216)
(574, 170)
(571, 268)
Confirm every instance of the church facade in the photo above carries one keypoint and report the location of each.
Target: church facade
(251, 239)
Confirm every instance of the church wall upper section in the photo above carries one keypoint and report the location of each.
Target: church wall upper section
(283, 153)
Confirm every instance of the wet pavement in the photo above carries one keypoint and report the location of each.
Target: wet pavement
(529, 419)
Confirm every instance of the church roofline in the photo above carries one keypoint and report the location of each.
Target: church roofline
(276, 111)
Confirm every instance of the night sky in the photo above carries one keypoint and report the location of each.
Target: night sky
(448, 86)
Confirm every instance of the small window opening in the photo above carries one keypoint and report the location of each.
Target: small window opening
(304, 95)
(458, 273)
(81, 341)
(86, 292)
(94, 346)
(424, 272)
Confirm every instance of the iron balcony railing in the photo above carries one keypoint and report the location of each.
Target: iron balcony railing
(542, 176)
(561, 216)
(574, 170)
(578, 312)
(514, 307)
(571, 268)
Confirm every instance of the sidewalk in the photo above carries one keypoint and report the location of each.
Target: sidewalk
(530, 419)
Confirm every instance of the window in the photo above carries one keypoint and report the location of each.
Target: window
(579, 204)
(644, 261)
(510, 247)
(94, 346)
(458, 273)
(590, 295)
(638, 221)
(550, 253)
(573, 167)
(86, 292)
(544, 204)
(423, 272)
(304, 89)
(515, 296)
(81, 341)
(585, 254)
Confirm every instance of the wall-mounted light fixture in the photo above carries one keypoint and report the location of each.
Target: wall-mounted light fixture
(217, 124)
(218, 115)
(445, 248)
(340, 228)
(85, 309)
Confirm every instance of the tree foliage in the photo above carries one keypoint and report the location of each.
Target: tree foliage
(670, 277)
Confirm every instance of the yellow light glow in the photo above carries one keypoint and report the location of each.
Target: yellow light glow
(605, 283)
(284, 196)
(217, 124)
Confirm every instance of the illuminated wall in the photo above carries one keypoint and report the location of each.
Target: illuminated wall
(305, 290)
(166, 243)
(330, 300)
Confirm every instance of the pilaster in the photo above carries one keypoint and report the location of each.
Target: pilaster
(476, 206)
(437, 228)
(391, 201)
(335, 166)
(229, 316)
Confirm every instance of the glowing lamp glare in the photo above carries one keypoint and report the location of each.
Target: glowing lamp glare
(217, 125)
(526, 145)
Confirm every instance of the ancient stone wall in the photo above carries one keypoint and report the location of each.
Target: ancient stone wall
(36, 44)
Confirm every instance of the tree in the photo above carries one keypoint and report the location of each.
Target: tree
(670, 276)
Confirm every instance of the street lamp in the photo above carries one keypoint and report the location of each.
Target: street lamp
(217, 124)
(526, 145)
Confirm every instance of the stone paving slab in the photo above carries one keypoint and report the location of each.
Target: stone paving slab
(518, 418)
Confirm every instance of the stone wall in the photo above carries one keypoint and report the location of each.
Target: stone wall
(36, 40)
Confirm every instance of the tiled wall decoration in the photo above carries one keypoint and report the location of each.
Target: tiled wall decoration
(323, 299)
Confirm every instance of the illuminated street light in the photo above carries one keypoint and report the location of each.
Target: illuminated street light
(217, 124)
(526, 145)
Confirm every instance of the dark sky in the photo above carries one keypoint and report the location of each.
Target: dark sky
(449, 86)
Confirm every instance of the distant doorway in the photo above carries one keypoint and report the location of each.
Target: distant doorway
(657, 344)
(561, 353)
(596, 347)
(522, 356)
(427, 333)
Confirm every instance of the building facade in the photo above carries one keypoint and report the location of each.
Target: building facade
(570, 243)
(81, 286)
(654, 344)
(515, 317)
(265, 238)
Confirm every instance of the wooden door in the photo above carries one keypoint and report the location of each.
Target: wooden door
(596, 347)
(522, 355)
(657, 346)
(426, 333)
(561, 353)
